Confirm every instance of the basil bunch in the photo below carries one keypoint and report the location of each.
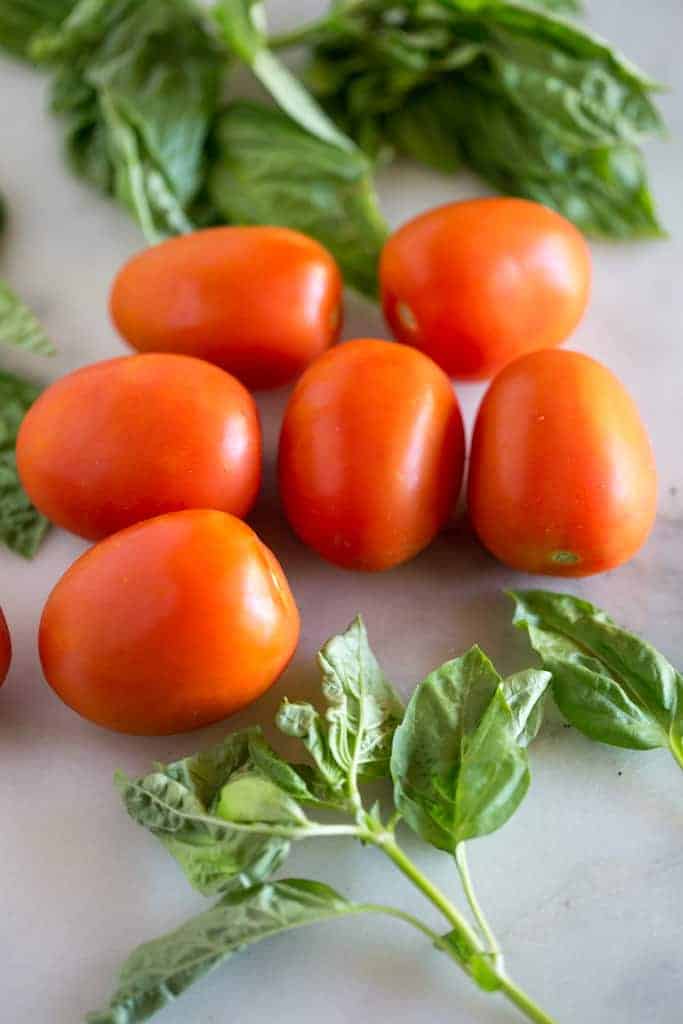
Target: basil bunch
(534, 104)
(459, 764)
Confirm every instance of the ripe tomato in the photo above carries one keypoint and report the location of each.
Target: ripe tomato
(478, 283)
(261, 302)
(169, 625)
(5, 648)
(131, 438)
(562, 476)
(371, 454)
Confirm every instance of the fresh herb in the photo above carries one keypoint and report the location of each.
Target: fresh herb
(610, 684)
(22, 527)
(538, 106)
(138, 86)
(20, 20)
(19, 326)
(459, 764)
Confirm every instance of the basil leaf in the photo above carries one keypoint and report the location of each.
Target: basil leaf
(159, 971)
(539, 107)
(205, 812)
(610, 684)
(19, 326)
(22, 527)
(352, 743)
(243, 26)
(20, 20)
(268, 170)
(455, 778)
(138, 85)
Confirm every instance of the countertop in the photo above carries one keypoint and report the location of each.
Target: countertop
(584, 884)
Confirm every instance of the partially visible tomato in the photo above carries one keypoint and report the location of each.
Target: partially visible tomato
(5, 648)
(371, 454)
(476, 284)
(169, 625)
(131, 438)
(562, 476)
(261, 302)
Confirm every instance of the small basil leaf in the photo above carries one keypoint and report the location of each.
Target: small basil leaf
(268, 170)
(248, 798)
(19, 326)
(22, 527)
(161, 970)
(610, 684)
(352, 742)
(364, 709)
(292, 779)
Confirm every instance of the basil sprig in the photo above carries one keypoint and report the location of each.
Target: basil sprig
(459, 765)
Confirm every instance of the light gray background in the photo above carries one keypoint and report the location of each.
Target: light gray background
(584, 885)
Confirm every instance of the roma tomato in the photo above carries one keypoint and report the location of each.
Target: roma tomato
(261, 302)
(169, 625)
(132, 438)
(5, 648)
(371, 454)
(478, 283)
(562, 477)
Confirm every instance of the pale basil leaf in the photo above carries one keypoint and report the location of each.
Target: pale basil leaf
(19, 326)
(525, 695)
(268, 170)
(160, 971)
(609, 683)
(363, 708)
(251, 798)
(304, 722)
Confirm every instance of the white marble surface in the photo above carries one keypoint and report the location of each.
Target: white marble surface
(584, 885)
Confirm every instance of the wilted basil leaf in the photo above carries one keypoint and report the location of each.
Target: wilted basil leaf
(268, 170)
(159, 971)
(456, 778)
(218, 814)
(610, 684)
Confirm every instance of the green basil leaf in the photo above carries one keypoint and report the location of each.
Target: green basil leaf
(458, 775)
(249, 797)
(609, 683)
(138, 85)
(20, 20)
(268, 170)
(159, 971)
(243, 26)
(352, 742)
(22, 527)
(19, 326)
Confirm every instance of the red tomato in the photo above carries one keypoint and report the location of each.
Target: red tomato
(261, 302)
(5, 648)
(131, 438)
(169, 625)
(479, 283)
(562, 476)
(371, 454)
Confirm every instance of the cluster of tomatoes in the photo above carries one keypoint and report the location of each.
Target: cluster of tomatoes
(179, 614)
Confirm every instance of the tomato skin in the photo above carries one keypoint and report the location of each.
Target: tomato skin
(130, 438)
(169, 625)
(371, 454)
(260, 302)
(5, 648)
(562, 476)
(476, 284)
